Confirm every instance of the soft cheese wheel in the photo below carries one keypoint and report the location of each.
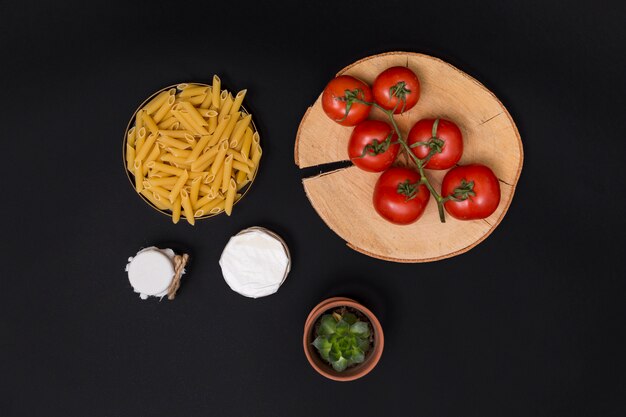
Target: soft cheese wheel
(151, 271)
(255, 263)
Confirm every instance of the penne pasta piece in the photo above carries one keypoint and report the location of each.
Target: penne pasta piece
(162, 181)
(193, 91)
(205, 189)
(194, 175)
(179, 161)
(226, 105)
(240, 166)
(238, 100)
(177, 134)
(190, 139)
(130, 137)
(212, 122)
(195, 190)
(162, 201)
(130, 157)
(197, 100)
(139, 120)
(243, 182)
(216, 89)
(209, 178)
(226, 174)
(247, 142)
(209, 205)
(187, 209)
(217, 183)
(195, 153)
(165, 168)
(151, 157)
(173, 143)
(178, 186)
(240, 129)
(146, 184)
(229, 128)
(167, 123)
(138, 176)
(207, 198)
(176, 206)
(156, 102)
(219, 158)
(218, 208)
(221, 126)
(160, 190)
(182, 153)
(183, 121)
(256, 157)
(230, 197)
(149, 123)
(150, 197)
(163, 110)
(142, 152)
(208, 99)
(237, 156)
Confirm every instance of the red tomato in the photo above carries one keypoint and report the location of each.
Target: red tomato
(398, 198)
(396, 88)
(445, 141)
(338, 100)
(476, 190)
(372, 146)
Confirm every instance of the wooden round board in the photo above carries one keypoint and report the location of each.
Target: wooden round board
(343, 198)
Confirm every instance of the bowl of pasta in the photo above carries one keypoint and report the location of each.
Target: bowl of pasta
(192, 150)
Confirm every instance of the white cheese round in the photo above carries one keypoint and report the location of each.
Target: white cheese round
(255, 262)
(151, 271)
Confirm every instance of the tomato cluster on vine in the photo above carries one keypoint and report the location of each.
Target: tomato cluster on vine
(402, 194)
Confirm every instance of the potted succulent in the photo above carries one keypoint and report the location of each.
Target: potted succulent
(343, 340)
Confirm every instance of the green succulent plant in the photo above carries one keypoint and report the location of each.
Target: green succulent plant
(342, 339)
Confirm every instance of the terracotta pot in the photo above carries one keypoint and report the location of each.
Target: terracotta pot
(324, 368)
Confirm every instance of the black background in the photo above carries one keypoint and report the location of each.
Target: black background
(529, 323)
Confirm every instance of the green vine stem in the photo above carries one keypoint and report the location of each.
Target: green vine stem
(420, 163)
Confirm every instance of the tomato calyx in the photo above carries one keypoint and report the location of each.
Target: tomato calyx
(376, 147)
(464, 191)
(435, 144)
(399, 90)
(408, 189)
(350, 97)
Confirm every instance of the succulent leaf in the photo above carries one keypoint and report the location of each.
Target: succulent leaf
(342, 339)
(327, 325)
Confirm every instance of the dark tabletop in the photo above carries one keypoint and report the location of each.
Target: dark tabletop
(528, 323)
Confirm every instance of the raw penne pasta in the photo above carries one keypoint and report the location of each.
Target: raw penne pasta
(240, 166)
(193, 91)
(226, 105)
(176, 207)
(247, 142)
(164, 110)
(240, 129)
(227, 172)
(187, 209)
(238, 100)
(162, 181)
(174, 143)
(142, 152)
(216, 91)
(138, 176)
(156, 102)
(178, 186)
(195, 153)
(165, 168)
(192, 150)
(130, 157)
(149, 123)
(195, 190)
(230, 197)
(130, 137)
(209, 205)
(219, 158)
(176, 134)
(229, 128)
(167, 123)
(150, 197)
(208, 99)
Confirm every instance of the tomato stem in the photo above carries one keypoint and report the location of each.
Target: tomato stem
(420, 163)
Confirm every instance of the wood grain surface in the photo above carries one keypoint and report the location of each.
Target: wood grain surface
(343, 198)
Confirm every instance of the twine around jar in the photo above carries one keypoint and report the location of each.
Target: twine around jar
(179, 266)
